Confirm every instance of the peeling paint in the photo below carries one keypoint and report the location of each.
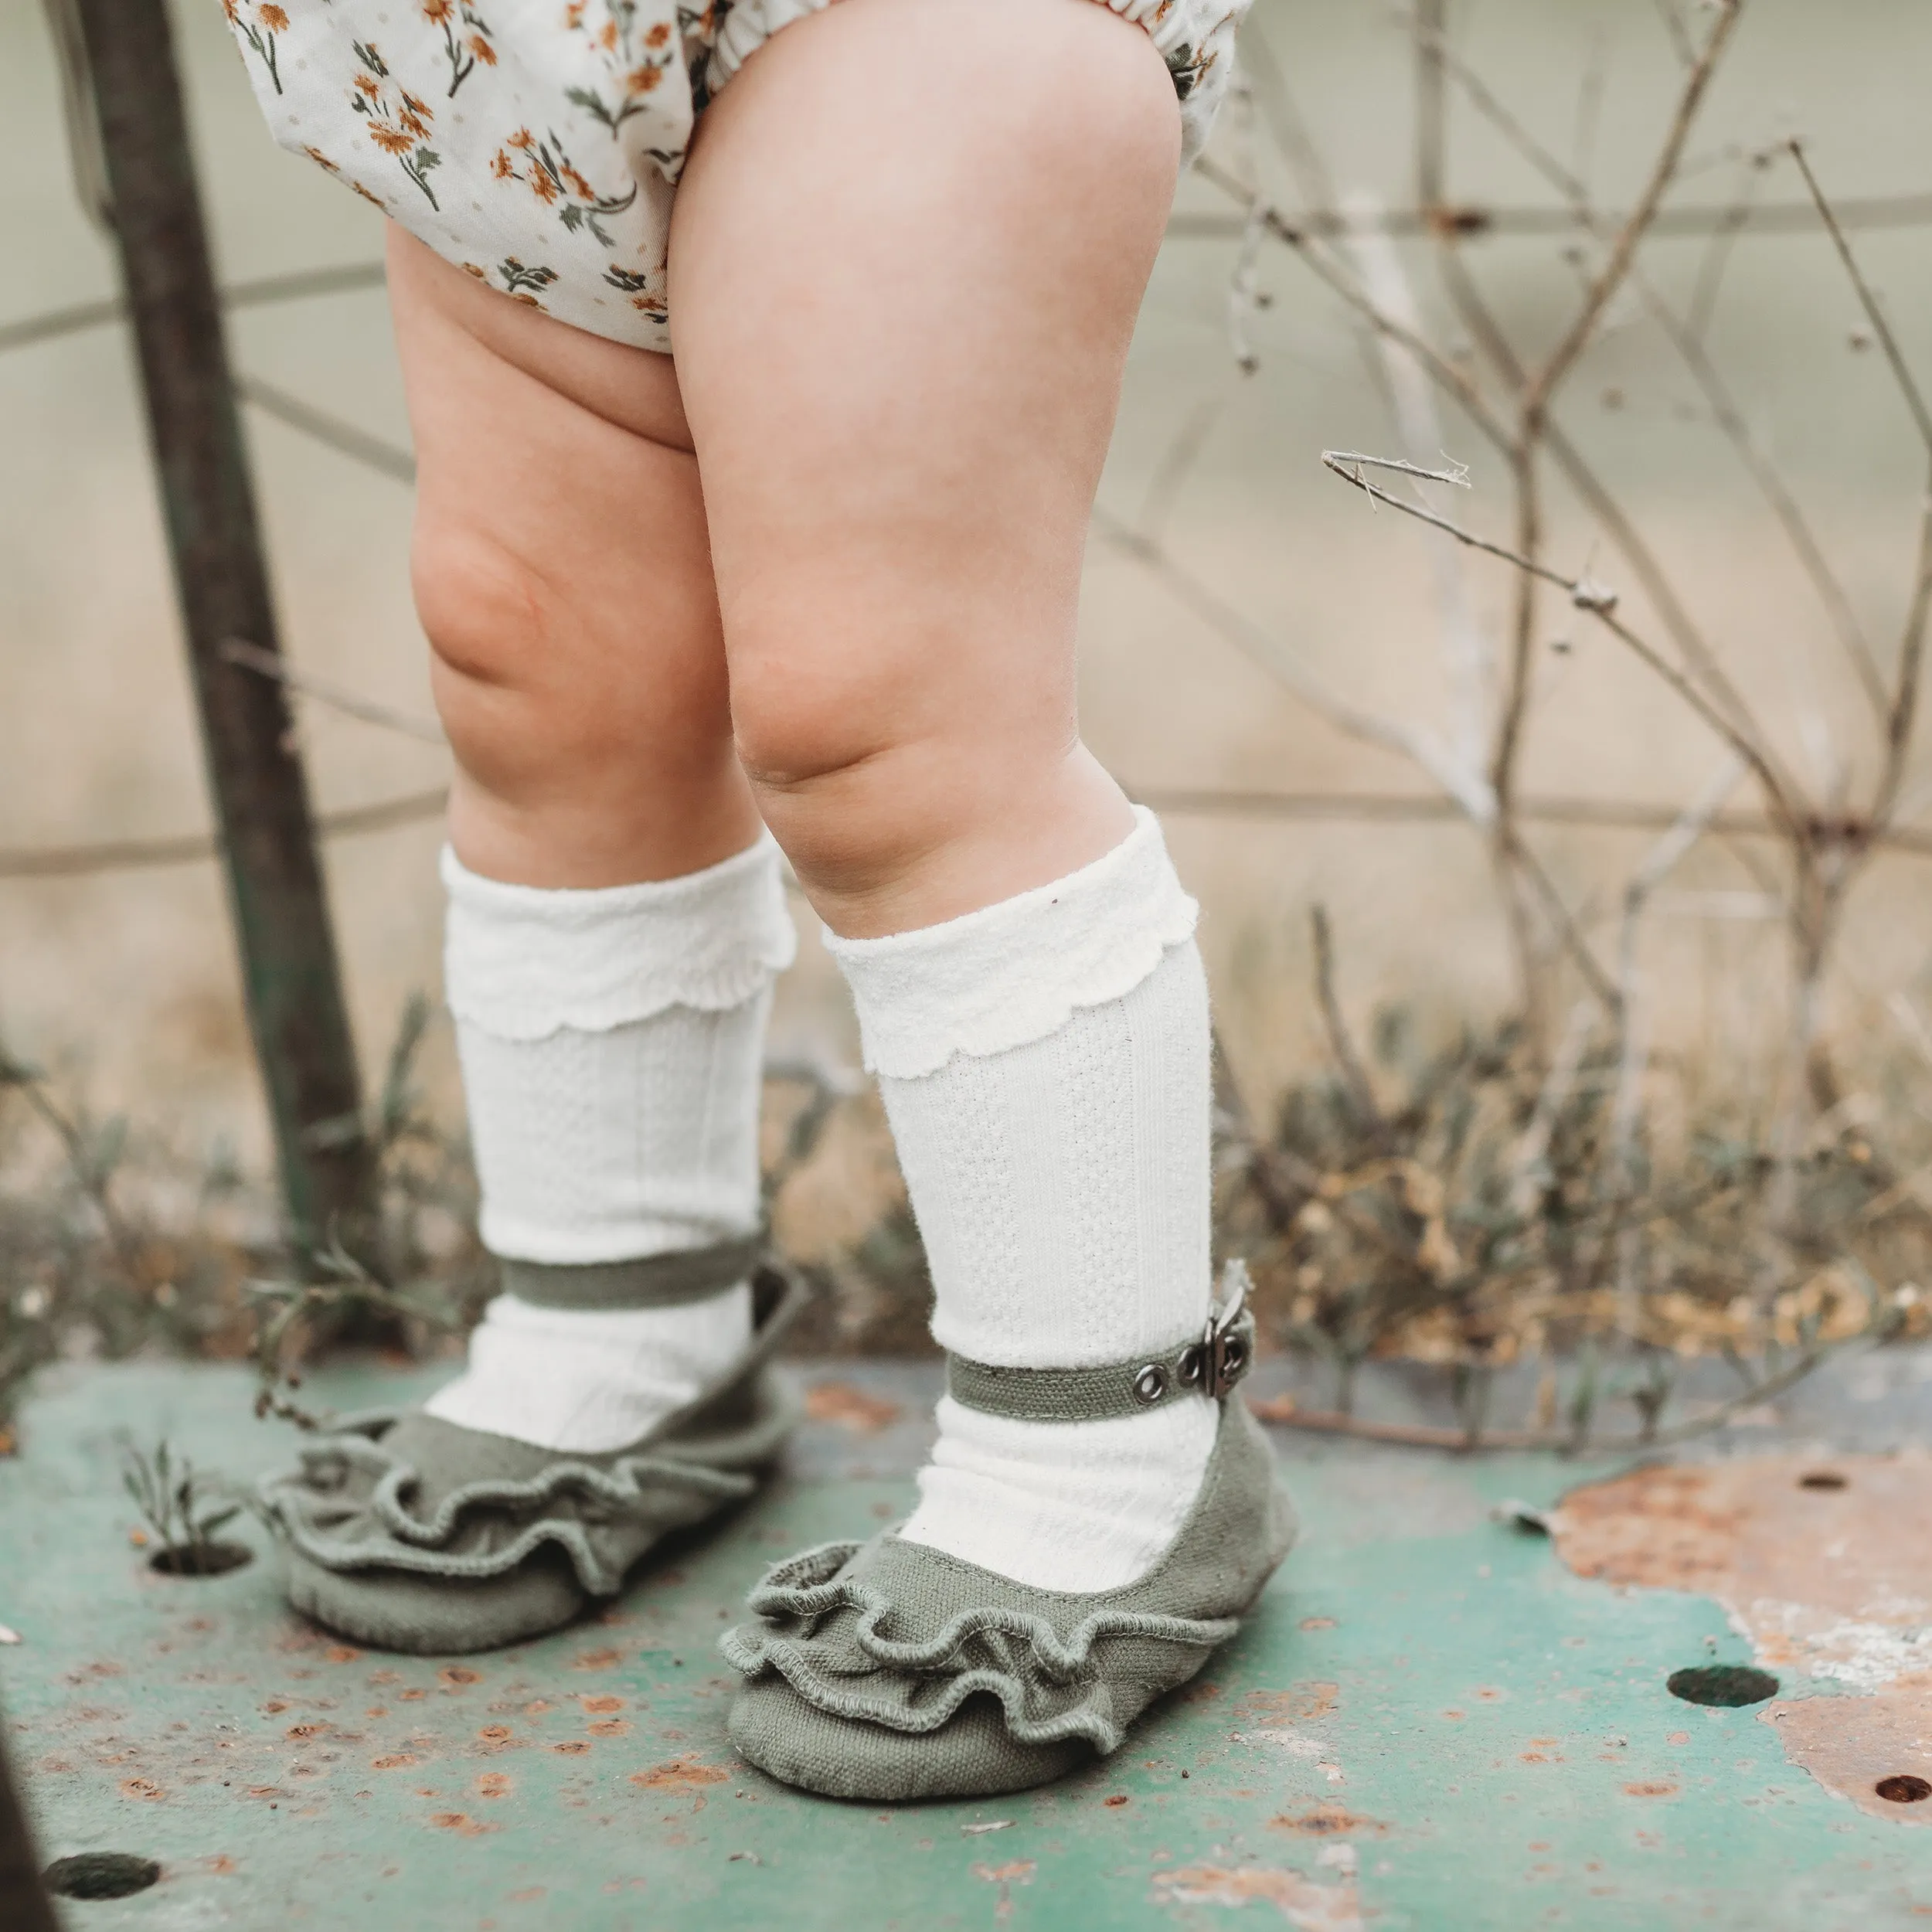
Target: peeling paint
(1306, 1905)
(1823, 1564)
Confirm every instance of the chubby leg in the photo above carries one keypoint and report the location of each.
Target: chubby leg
(905, 265)
(907, 256)
(616, 914)
(562, 575)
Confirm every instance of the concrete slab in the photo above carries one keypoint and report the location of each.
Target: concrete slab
(1434, 1722)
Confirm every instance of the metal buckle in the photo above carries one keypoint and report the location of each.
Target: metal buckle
(1223, 1355)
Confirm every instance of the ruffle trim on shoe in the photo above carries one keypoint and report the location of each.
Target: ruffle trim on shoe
(823, 1635)
(349, 1505)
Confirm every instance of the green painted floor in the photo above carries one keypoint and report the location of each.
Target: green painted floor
(1430, 1724)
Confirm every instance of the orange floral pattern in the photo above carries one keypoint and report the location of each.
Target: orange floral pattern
(551, 178)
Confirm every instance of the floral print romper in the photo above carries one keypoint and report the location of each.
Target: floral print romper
(538, 143)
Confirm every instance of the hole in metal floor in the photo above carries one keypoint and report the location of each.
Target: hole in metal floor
(1728, 1686)
(101, 1874)
(207, 1559)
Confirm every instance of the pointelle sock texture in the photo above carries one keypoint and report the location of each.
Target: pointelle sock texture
(612, 1044)
(1044, 1063)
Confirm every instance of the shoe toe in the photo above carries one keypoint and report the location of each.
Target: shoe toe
(436, 1616)
(972, 1755)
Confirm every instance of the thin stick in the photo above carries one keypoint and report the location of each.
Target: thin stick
(1354, 1074)
(1422, 1436)
(1544, 384)
(1256, 645)
(1908, 385)
(1600, 603)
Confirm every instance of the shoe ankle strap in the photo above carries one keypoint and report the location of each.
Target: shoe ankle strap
(655, 1281)
(1210, 1366)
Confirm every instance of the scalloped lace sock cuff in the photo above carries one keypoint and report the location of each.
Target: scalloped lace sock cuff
(1044, 1063)
(612, 1046)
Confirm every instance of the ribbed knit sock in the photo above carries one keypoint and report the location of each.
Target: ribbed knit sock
(612, 1044)
(1044, 1063)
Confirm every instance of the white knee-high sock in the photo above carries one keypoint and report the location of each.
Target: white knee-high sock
(1045, 1066)
(612, 1044)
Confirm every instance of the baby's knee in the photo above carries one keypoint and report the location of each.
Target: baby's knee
(493, 626)
(832, 752)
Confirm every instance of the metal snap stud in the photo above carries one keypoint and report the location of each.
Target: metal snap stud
(1150, 1384)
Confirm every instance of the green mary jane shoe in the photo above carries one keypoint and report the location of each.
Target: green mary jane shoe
(889, 1671)
(407, 1532)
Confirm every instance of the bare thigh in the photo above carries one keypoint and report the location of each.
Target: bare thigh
(563, 576)
(907, 256)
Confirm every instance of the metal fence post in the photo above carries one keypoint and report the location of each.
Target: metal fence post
(294, 990)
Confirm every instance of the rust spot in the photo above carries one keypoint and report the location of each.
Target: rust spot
(376, 1710)
(528, 1896)
(453, 1675)
(1455, 1717)
(1331, 1820)
(1317, 1623)
(1199, 1692)
(493, 1785)
(575, 1748)
(395, 1763)
(1300, 1704)
(341, 1654)
(221, 1865)
(385, 1677)
(142, 1787)
(266, 1790)
(314, 1728)
(538, 1707)
(1119, 1797)
(597, 1660)
(1747, 1532)
(680, 1775)
(599, 1704)
(1015, 1871)
(459, 1822)
(850, 1407)
(1678, 1737)
(411, 1697)
(1650, 1788)
(496, 1733)
(609, 1727)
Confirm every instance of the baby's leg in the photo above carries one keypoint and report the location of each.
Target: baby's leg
(616, 913)
(907, 256)
(562, 575)
(905, 260)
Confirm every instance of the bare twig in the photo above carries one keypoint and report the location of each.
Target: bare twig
(1423, 1436)
(1548, 378)
(1599, 602)
(1281, 661)
(1354, 1074)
